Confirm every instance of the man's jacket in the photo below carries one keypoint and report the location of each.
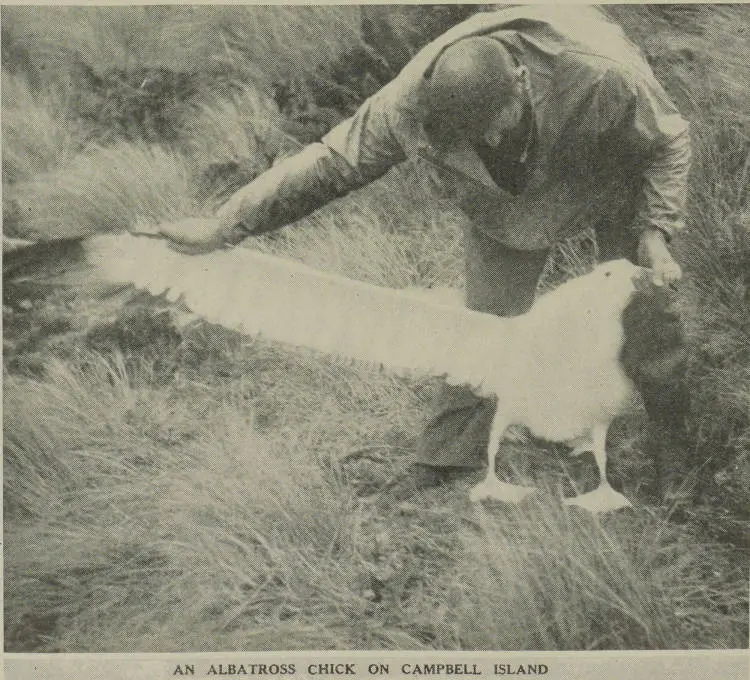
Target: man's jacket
(612, 149)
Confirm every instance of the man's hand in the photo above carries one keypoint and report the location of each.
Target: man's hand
(654, 254)
(194, 235)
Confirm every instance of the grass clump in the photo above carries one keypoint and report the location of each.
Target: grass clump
(37, 135)
(104, 189)
(340, 239)
(718, 309)
(231, 141)
(181, 38)
(548, 578)
(168, 499)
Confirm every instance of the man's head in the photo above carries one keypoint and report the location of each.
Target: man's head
(476, 91)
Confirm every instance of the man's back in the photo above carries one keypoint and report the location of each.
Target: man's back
(598, 111)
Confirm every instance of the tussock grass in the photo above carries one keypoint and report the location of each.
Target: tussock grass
(263, 42)
(82, 408)
(257, 527)
(300, 39)
(105, 189)
(681, 44)
(717, 307)
(243, 128)
(247, 526)
(707, 82)
(101, 38)
(37, 136)
(543, 577)
(231, 141)
(341, 239)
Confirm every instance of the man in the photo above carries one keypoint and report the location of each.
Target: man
(542, 122)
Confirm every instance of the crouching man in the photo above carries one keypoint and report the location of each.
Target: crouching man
(543, 122)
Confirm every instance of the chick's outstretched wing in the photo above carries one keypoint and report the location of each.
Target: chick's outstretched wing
(286, 301)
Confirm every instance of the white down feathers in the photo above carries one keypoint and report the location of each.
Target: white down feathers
(554, 369)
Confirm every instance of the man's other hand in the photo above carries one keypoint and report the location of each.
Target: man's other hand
(654, 254)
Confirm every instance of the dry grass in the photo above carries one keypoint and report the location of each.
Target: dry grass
(694, 52)
(265, 42)
(568, 581)
(37, 137)
(244, 127)
(697, 52)
(231, 504)
(411, 246)
(104, 189)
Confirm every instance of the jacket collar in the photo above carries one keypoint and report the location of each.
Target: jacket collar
(463, 161)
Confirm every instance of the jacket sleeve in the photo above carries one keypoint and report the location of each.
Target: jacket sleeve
(356, 152)
(653, 130)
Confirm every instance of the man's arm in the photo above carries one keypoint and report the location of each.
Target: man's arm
(356, 152)
(288, 191)
(654, 130)
(664, 182)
